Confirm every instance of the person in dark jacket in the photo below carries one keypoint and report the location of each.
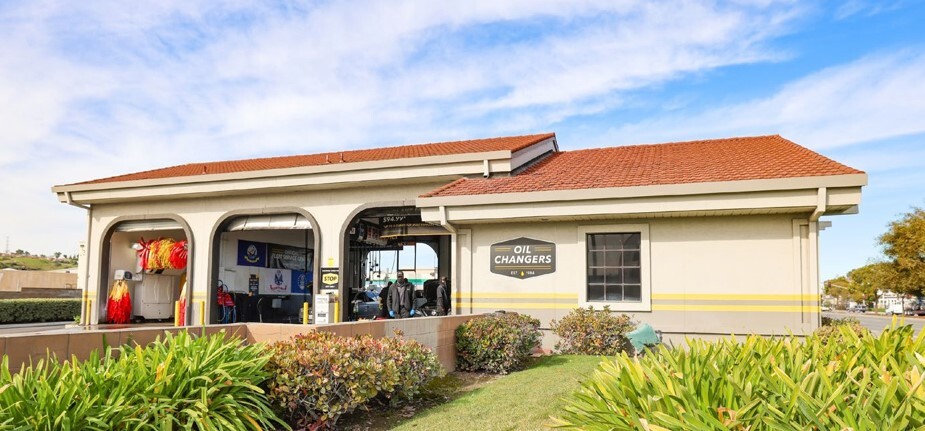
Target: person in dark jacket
(384, 301)
(443, 297)
(401, 298)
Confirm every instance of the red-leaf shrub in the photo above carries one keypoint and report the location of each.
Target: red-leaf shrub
(416, 365)
(586, 331)
(497, 343)
(317, 377)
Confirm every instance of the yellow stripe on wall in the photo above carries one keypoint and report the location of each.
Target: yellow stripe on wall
(522, 305)
(571, 296)
(732, 297)
(754, 308)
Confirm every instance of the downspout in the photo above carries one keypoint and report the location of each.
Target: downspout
(453, 253)
(821, 198)
(486, 170)
(86, 275)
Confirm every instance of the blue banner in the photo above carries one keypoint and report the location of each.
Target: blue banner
(301, 282)
(252, 253)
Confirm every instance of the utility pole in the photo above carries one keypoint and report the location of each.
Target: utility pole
(7, 244)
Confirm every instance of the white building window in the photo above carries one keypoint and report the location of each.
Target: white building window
(614, 270)
(616, 267)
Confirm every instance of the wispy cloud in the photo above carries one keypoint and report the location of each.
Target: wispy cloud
(873, 98)
(852, 8)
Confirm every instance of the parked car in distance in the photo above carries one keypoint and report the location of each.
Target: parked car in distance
(825, 308)
(895, 309)
(858, 309)
(365, 305)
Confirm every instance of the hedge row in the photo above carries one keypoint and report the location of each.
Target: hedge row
(38, 310)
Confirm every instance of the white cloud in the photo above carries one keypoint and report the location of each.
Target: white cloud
(876, 97)
(92, 89)
(852, 8)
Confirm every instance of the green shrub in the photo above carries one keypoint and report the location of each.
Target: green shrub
(179, 382)
(317, 377)
(864, 383)
(38, 310)
(586, 331)
(416, 365)
(496, 343)
(831, 329)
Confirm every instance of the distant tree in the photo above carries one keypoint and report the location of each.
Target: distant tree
(869, 279)
(20, 252)
(57, 255)
(904, 245)
(861, 284)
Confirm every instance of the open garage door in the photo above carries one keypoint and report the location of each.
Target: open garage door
(265, 269)
(383, 241)
(144, 271)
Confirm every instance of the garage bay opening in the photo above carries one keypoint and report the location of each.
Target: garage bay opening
(144, 272)
(380, 243)
(265, 269)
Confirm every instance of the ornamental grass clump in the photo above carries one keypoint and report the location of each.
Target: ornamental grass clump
(586, 331)
(496, 343)
(862, 383)
(180, 382)
(319, 376)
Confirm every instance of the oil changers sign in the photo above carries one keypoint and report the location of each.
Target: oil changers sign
(523, 258)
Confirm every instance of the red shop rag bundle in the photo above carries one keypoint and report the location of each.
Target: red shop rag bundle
(119, 307)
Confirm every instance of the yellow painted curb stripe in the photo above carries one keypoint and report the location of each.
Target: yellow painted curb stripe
(755, 308)
(732, 297)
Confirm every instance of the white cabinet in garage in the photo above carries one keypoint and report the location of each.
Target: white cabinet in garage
(155, 296)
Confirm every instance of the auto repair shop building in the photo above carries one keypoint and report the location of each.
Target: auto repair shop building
(703, 237)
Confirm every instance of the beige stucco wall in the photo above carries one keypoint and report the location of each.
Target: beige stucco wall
(15, 281)
(706, 275)
(329, 208)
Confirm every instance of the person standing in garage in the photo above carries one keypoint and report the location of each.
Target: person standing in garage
(443, 297)
(401, 298)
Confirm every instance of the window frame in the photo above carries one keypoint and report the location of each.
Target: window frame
(645, 302)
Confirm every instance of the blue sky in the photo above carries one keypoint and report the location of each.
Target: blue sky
(92, 89)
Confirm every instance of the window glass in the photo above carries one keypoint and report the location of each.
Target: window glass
(614, 293)
(632, 292)
(614, 267)
(595, 292)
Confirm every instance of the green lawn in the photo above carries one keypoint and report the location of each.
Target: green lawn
(520, 401)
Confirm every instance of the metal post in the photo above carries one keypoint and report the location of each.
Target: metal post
(305, 313)
(202, 313)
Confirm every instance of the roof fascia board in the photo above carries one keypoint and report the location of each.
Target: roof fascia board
(796, 201)
(800, 183)
(443, 160)
(525, 155)
(339, 179)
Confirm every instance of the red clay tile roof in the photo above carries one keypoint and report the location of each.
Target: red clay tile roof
(512, 143)
(733, 159)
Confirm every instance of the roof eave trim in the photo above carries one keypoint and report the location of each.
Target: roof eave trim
(303, 170)
(797, 183)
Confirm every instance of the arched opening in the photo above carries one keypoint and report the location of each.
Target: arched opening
(264, 268)
(381, 241)
(149, 260)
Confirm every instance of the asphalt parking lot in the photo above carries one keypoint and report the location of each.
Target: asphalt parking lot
(877, 323)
